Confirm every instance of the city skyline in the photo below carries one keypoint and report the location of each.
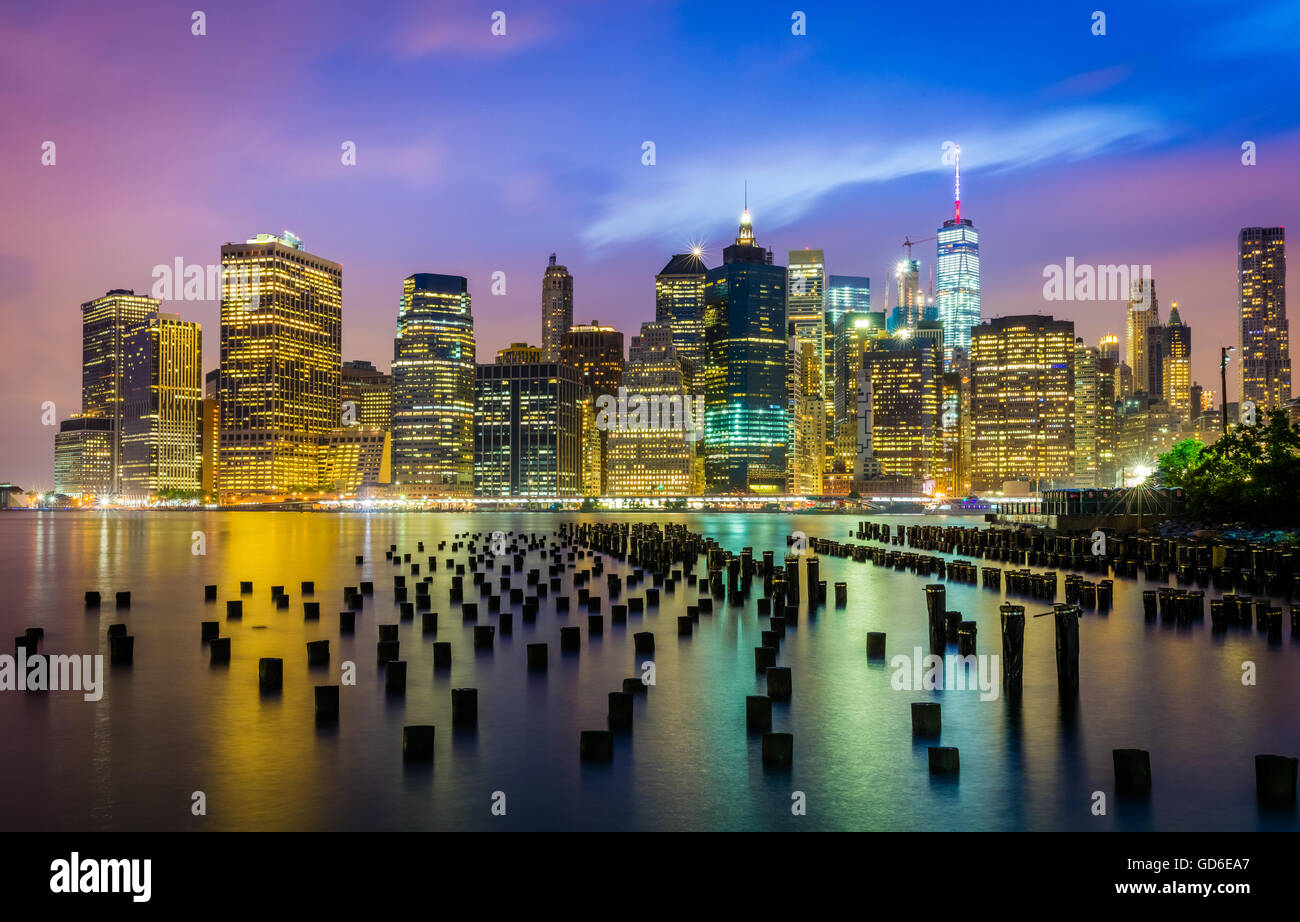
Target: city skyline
(1035, 167)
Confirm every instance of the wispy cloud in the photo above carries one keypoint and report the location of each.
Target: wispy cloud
(680, 199)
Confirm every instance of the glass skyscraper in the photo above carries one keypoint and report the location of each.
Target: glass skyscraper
(433, 388)
(679, 302)
(745, 370)
(957, 283)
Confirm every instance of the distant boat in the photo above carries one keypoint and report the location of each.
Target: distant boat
(971, 505)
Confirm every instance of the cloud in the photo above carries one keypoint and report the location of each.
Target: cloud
(787, 180)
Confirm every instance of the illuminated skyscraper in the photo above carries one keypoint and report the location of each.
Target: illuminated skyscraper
(852, 331)
(652, 440)
(162, 442)
(806, 409)
(806, 318)
(1094, 418)
(679, 302)
(1022, 402)
(1108, 348)
(1177, 365)
(527, 430)
(902, 380)
(433, 388)
(910, 309)
(557, 309)
(1261, 292)
(845, 294)
(369, 392)
(281, 344)
(519, 354)
(957, 286)
(745, 439)
(83, 457)
(105, 324)
(1143, 314)
(596, 354)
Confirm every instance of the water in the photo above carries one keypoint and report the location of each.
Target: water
(172, 724)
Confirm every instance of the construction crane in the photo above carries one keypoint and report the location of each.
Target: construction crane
(909, 243)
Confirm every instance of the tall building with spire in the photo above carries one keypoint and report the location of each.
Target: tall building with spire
(433, 388)
(1176, 362)
(679, 302)
(1261, 298)
(745, 434)
(910, 309)
(957, 287)
(557, 309)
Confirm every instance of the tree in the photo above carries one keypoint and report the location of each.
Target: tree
(1175, 464)
(1251, 474)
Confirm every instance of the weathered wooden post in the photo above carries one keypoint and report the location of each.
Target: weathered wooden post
(1013, 648)
(1067, 650)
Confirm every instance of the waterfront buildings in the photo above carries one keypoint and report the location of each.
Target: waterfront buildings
(105, 325)
(281, 361)
(162, 439)
(367, 396)
(679, 302)
(745, 438)
(1264, 344)
(1022, 402)
(527, 429)
(433, 388)
(653, 428)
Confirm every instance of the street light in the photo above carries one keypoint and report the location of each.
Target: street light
(1223, 382)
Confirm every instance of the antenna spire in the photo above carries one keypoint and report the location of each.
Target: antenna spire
(957, 186)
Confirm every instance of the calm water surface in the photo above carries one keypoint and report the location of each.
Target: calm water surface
(172, 724)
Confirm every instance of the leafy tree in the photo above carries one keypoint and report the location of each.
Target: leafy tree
(1175, 464)
(1251, 474)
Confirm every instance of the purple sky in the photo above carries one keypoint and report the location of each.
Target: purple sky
(478, 152)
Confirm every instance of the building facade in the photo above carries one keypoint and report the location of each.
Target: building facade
(105, 325)
(679, 302)
(162, 435)
(527, 430)
(1022, 402)
(281, 361)
(1264, 345)
(433, 388)
(746, 436)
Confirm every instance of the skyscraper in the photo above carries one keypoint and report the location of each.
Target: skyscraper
(910, 309)
(1094, 417)
(852, 330)
(1177, 365)
(211, 430)
(526, 429)
(679, 302)
(845, 294)
(902, 380)
(557, 308)
(957, 266)
(105, 324)
(281, 356)
(1143, 314)
(162, 442)
(806, 320)
(1022, 402)
(655, 459)
(433, 388)
(595, 352)
(83, 457)
(745, 439)
(1261, 297)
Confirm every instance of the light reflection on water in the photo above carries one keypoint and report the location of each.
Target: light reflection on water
(172, 724)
